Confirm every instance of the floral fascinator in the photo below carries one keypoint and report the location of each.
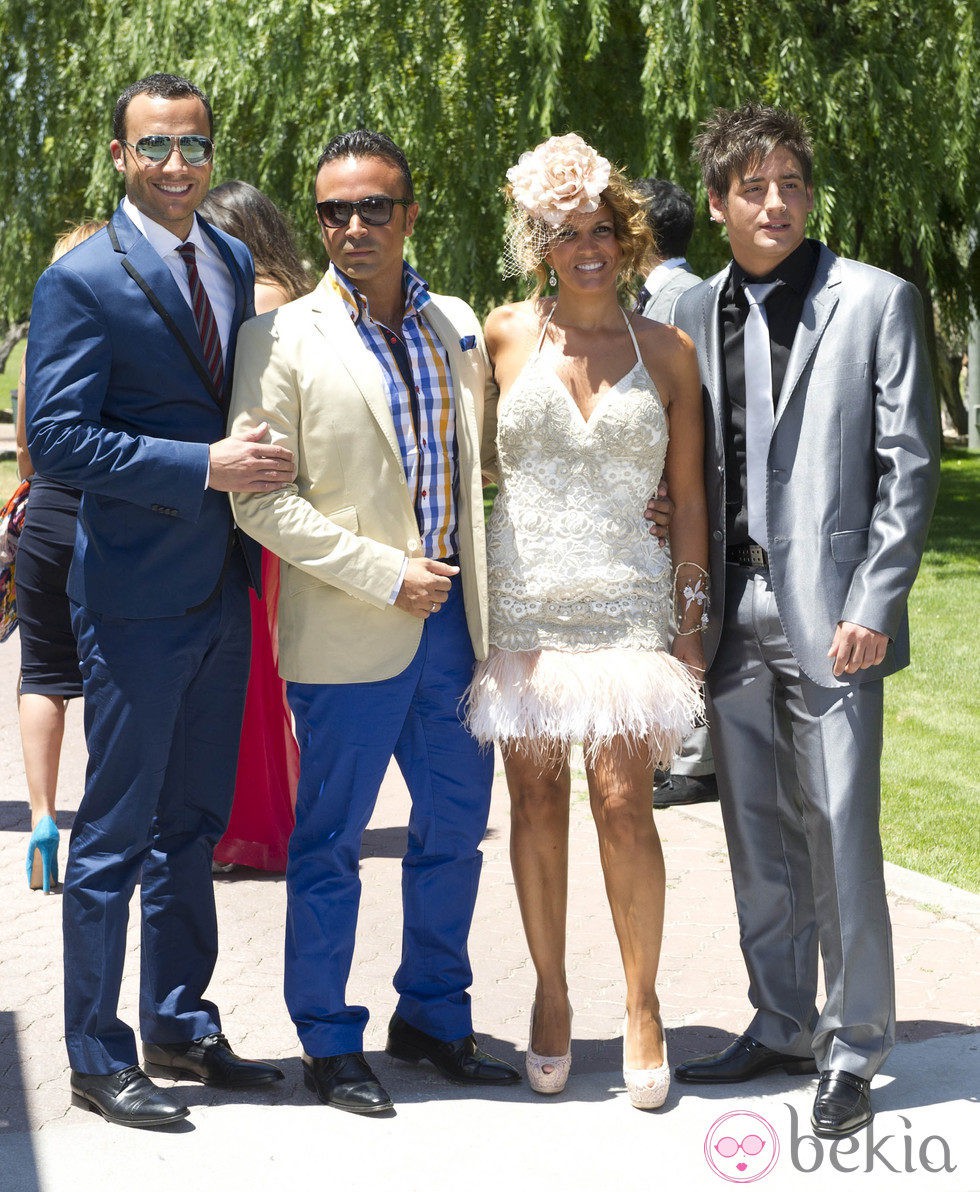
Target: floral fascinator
(562, 177)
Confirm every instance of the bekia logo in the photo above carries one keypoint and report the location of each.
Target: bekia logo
(741, 1147)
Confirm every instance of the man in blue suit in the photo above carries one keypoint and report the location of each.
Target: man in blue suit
(128, 374)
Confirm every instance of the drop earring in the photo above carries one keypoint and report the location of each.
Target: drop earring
(552, 279)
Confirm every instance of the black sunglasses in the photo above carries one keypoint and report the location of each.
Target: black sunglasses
(157, 147)
(375, 210)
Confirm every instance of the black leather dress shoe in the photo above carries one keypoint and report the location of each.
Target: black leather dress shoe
(842, 1104)
(676, 790)
(460, 1060)
(126, 1098)
(742, 1060)
(209, 1060)
(346, 1082)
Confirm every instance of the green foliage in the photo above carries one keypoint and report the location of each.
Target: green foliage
(930, 789)
(466, 86)
(888, 95)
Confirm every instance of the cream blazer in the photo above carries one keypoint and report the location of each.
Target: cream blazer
(344, 527)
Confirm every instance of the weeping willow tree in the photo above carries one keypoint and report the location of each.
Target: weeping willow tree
(466, 85)
(463, 87)
(890, 91)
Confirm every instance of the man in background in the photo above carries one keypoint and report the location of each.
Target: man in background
(670, 214)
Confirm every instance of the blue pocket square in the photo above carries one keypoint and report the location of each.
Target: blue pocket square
(468, 343)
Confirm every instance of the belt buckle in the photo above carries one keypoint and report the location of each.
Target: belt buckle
(757, 556)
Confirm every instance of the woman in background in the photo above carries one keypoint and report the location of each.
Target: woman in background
(49, 674)
(262, 814)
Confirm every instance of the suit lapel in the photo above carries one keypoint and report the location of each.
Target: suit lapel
(147, 269)
(331, 317)
(713, 350)
(448, 336)
(818, 306)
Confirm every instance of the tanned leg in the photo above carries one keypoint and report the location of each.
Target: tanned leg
(539, 797)
(621, 793)
(42, 728)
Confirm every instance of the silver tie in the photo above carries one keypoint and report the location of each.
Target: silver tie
(758, 408)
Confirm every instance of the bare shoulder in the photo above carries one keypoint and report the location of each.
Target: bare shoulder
(511, 326)
(660, 339)
(670, 359)
(269, 295)
(513, 318)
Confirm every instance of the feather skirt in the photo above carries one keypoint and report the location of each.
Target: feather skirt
(548, 700)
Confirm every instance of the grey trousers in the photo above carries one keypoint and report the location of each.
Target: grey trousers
(694, 759)
(798, 770)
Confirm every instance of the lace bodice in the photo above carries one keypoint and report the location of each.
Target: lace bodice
(572, 564)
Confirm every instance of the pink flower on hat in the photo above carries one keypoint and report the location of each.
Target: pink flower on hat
(561, 177)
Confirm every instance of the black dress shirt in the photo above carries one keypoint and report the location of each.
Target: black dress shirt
(784, 307)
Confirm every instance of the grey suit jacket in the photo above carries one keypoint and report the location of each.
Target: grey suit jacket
(853, 460)
(662, 303)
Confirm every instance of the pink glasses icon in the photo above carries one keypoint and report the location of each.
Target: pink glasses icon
(751, 1144)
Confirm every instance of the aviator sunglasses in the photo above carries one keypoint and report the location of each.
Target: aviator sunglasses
(375, 210)
(157, 147)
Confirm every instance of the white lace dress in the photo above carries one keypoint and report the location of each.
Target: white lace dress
(580, 593)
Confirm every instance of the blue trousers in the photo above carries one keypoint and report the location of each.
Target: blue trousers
(163, 710)
(347, 735)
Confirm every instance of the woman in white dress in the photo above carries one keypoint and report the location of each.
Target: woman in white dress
(581, 597)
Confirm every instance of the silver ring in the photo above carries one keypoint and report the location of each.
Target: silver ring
(433, 608)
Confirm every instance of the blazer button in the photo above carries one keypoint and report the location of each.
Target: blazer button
(718, 535)
(413, 544)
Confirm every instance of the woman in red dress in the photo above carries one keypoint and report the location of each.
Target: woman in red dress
(262, 814)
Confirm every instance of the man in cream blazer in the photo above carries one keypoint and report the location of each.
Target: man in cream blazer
(381, 390)
(822, 469)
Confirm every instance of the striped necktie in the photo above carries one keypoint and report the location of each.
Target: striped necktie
(204, 316)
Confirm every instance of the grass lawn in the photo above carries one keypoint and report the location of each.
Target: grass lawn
(931, 766)
(8, 378)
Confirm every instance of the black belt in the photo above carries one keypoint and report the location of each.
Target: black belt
(748, 555)
(450, 561)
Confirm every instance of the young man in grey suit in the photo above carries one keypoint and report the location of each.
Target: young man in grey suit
(670, 214)
(822, 470)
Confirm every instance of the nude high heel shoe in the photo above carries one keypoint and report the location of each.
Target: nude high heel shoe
(555, 1080)
(647, 1087)
(42, 856)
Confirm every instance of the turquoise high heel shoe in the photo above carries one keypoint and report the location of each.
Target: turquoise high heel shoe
(42, 856)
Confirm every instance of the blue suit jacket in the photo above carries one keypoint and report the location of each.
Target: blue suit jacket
(120, 405)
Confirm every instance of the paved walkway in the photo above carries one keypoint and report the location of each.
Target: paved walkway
(442, 1138)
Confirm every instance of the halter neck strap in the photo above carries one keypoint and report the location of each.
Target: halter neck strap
(629, 328)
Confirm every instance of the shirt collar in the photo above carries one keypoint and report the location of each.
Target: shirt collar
(415, 287)
(162, 240)
(796, 271)
(658, 274)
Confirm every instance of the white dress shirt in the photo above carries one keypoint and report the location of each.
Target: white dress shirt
(658, 274)
(214, 273)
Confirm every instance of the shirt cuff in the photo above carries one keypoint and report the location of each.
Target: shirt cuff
(398, 584)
